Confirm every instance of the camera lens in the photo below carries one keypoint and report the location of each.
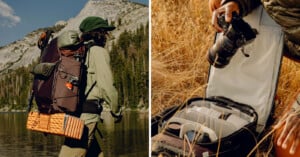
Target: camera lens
(235, 35)
(221, 52)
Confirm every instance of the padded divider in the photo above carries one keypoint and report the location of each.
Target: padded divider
(224, 110)
(198, 117)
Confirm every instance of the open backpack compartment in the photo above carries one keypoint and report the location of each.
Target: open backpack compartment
(208, 123)
(239, 99)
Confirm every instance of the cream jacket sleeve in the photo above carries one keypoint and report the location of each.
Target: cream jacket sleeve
(99, 69)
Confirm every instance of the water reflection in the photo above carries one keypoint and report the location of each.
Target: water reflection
(128, 138)
(16, 141)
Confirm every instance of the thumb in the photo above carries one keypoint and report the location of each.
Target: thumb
(228, 14)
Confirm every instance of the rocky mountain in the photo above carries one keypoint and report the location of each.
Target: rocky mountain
(122, 13)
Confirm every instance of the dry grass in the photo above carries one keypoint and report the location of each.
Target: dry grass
(181, 36)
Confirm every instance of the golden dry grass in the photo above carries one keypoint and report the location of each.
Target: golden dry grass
(181, 36)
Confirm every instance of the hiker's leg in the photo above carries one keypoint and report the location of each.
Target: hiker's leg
(78, 148)
(67, 151)
(91, 136)
(75, 148)
(101, 154)
(94, 149)
(90, 121)
(93, 145)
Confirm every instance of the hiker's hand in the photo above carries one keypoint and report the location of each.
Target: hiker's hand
(226, 9)
(214, 4)
(290, 135)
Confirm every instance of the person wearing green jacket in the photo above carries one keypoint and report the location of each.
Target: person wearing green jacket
(287, 14)
(100, 88)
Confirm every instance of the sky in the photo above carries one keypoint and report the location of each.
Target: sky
(20, 17)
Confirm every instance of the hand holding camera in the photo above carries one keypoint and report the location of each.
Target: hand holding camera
(236, 34)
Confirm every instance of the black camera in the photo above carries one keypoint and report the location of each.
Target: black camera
(236, 34)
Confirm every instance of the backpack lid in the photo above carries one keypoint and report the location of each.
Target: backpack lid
(67, 39)
(252, 80)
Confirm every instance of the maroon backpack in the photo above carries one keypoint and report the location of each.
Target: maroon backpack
(59, 80)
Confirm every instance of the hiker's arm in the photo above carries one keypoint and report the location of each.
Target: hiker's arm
(104, 77)
(227, 7)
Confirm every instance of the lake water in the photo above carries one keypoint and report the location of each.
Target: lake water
(129, 138)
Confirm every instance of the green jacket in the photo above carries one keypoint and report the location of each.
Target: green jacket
(286, 13)
(99, 70)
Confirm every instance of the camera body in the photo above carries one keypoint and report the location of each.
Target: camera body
(236, 34)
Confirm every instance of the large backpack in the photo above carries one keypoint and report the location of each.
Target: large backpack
(60, 76)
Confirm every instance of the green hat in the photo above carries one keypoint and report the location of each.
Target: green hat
(68, 38)
(93, 22)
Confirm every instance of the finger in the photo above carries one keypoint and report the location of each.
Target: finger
(215, 16)
(214, 4)
(296, 139)
(214, 21)
(289, 128)
(295, 145)
(288, 138)
(284, 132)
(213, 7)
(228, 14)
